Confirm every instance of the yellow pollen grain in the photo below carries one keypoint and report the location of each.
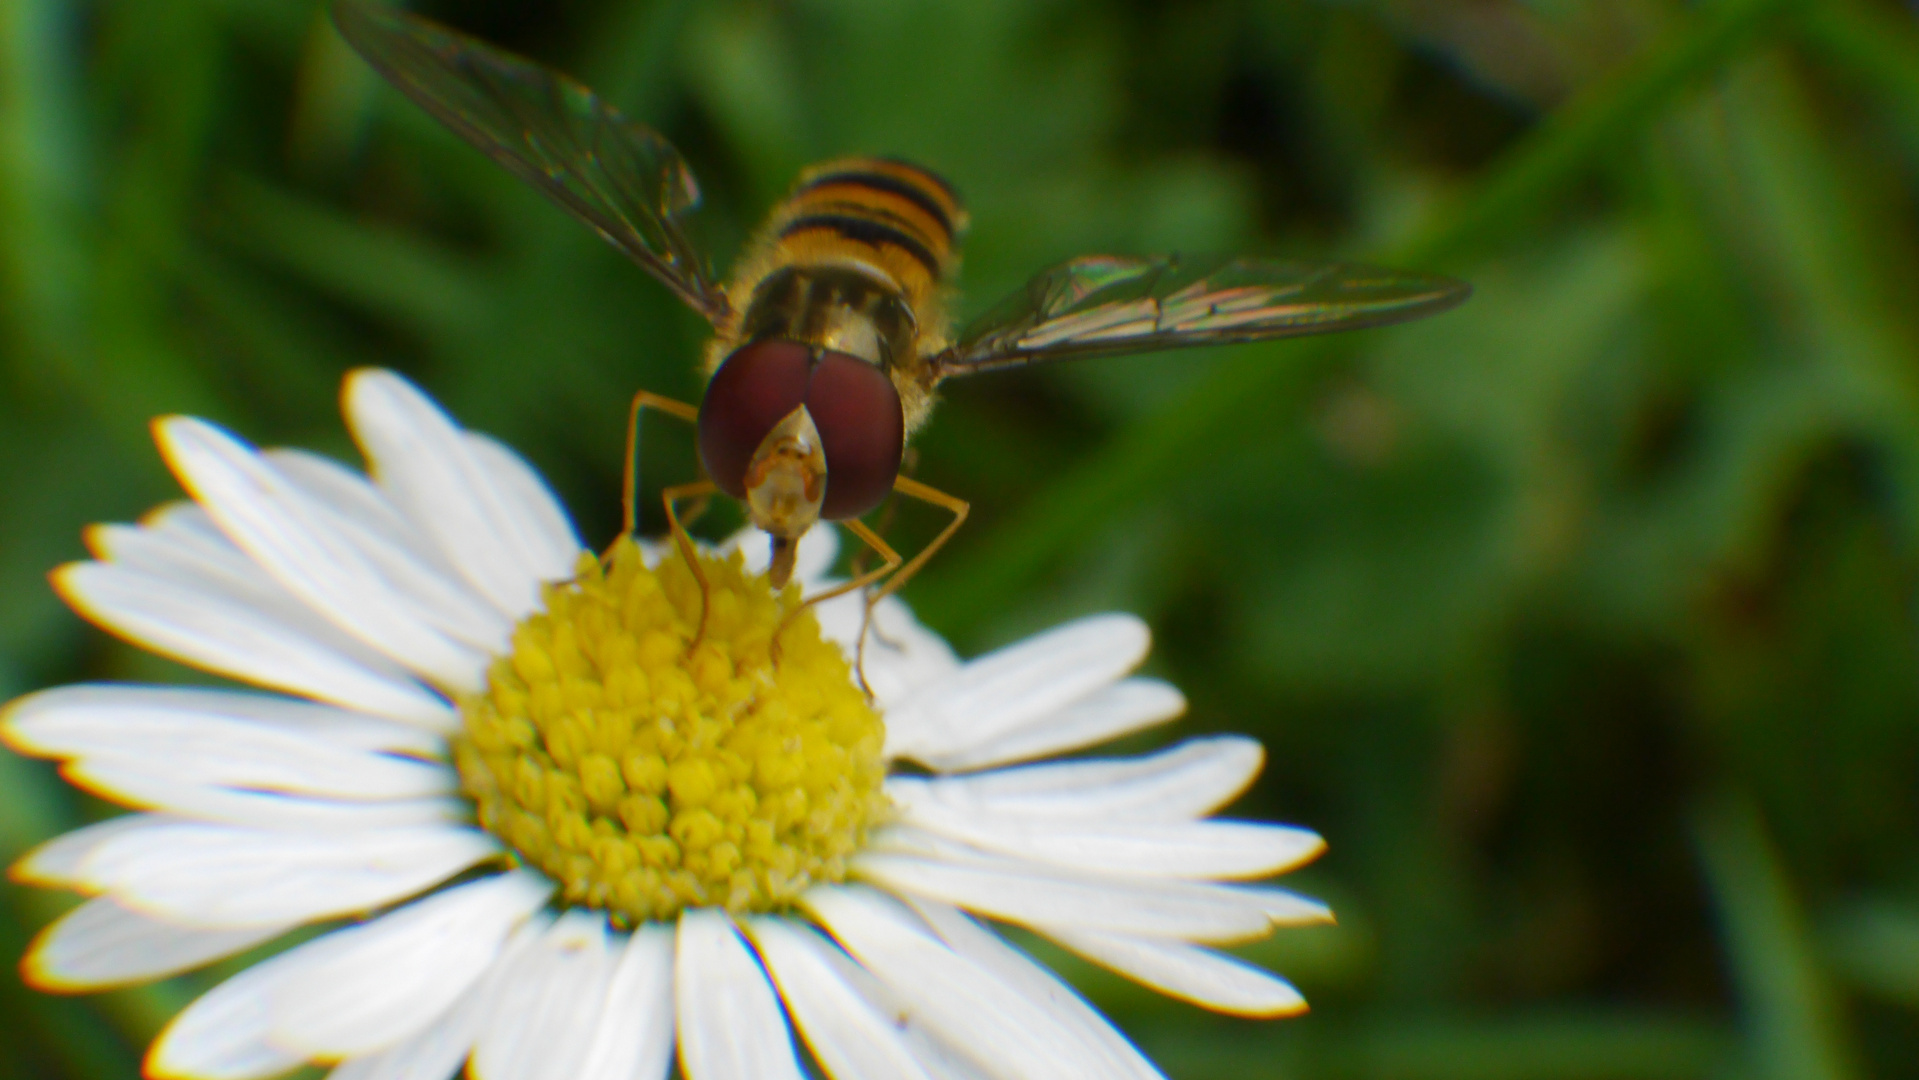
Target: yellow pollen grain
(645, 775)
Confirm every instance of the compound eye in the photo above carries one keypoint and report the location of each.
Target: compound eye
(753, 390)
(862, 429)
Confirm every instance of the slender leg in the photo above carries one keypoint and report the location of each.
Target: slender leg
(630, 493)
(890, 561)
(701, 489)
(916, 490)
(890, 558)
(857, 567)
(701, 504)
(908, 463)
(959, 508)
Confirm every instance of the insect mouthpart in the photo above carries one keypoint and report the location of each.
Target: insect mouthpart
(786, 486)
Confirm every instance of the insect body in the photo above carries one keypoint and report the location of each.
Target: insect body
(816, 383)
(831, 336)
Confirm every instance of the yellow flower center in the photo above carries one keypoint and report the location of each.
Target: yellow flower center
(644, 775)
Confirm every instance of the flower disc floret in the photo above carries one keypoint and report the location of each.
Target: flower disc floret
(645, 774)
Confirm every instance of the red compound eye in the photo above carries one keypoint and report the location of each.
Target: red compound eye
(853, 404)
(753, 390)
(863, 427)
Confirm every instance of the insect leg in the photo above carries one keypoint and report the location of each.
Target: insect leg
(908, 463)
(959, 508)
(890, 561)
(700, 489)
(913, 489)
(630, 497)
(693, 513)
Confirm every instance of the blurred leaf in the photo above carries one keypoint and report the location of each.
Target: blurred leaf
(432, 291)
(744, 74)
(1602, 117)
(1565, 1046)
(333, 97)
(1195, 427)
(165, 60)
(42, 192)
(1823, 266)
(1875, 946)
(1877, 48)
(1790, 1012)
(61, 475)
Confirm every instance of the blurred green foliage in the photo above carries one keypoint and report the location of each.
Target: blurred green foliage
(1579, 620)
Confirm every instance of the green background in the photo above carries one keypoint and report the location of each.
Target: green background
(1580, 620)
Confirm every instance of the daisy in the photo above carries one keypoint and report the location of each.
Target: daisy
(546, 834)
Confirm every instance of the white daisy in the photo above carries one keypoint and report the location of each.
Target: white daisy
(559, 842)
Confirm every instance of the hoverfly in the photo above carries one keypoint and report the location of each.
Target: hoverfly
(831, 336)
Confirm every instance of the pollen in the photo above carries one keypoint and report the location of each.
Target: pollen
(645, 773)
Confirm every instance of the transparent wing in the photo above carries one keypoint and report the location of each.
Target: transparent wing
(619, 177)
(1104, 305)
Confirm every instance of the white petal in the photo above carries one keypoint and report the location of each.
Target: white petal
(1182, 782)
(634, 1039)
(101, 944)
(1041, 988)
(102, 704)
(1026, 892)
(1199, 850)
(940, 1060)
(730, 1023)
(1282, 906)
(532, 502)
(238, 642)
(548, 1007)
(966, 1006)
(352, 497)
(272, 520)
(849, 1037)
(183, 518)
(407, 561)
(203, 749)
(1188, 972)
(217, 876)
(1004, 691)
(934, 1056)
(137, 786)
(1120, 709)
(424, 464)
(223, 1034)
(364, 989)
(61, 861)
(437, 1051)
(184, 548)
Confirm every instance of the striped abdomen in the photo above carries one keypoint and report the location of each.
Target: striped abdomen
(896, 217)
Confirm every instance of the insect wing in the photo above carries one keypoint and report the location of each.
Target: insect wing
(619, 177)
(1105, 305)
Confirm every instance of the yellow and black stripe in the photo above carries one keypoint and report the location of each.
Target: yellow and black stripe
(898, 217)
